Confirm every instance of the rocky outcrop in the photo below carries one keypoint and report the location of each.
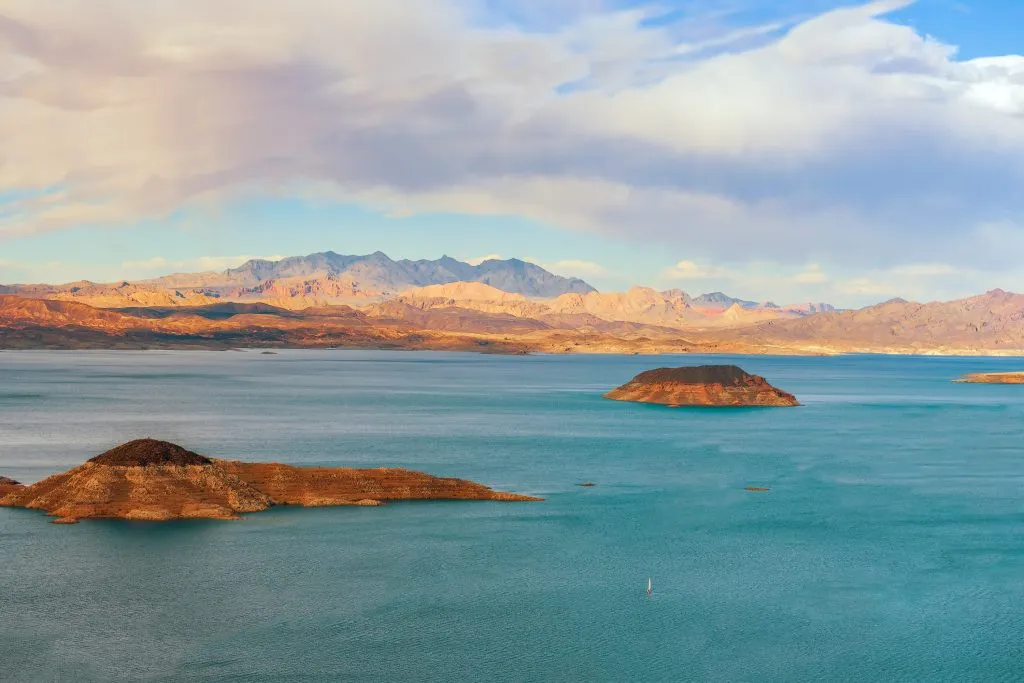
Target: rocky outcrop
(702, 385)
(8, 486)
(321, 486)
(992, 378)
(155, 480)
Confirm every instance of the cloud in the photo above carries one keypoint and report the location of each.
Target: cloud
(843, 137)
(812, 274)
(477, 260)
(689, 270)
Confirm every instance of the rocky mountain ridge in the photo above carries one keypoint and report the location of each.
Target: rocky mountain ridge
(323, 278)
(989, 324)
(511, 286)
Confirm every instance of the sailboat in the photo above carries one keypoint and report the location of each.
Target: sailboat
(648, 585)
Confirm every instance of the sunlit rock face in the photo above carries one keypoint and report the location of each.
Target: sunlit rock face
(158, 481)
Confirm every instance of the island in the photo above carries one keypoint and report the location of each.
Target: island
(702, 385)
(1016, 377)
(156, 480)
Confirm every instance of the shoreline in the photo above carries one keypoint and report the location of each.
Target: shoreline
(780, 352)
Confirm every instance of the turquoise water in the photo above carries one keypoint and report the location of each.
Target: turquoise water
(890, 547)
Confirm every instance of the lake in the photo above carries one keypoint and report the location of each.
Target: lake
(890, 546)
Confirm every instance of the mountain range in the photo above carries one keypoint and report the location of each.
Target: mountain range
(323, 278)
(988, 324)
(372, 301)
(672, 308)
(509, 286)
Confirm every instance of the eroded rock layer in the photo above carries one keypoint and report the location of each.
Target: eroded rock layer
(702, 385)
(156, 480)
(151, 492)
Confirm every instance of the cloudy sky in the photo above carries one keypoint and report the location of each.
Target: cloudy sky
(775, 149)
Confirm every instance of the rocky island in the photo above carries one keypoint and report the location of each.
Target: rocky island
(702, 385)
(993, 378)
(156, 480)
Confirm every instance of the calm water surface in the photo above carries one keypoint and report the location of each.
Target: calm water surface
(890, 547)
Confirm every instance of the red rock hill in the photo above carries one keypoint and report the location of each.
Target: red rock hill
(702, 385)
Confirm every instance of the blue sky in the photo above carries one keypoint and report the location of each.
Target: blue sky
(788, 150)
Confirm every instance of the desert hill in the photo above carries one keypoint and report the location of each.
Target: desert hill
(702, 385)
(672, 308)
(992, 322)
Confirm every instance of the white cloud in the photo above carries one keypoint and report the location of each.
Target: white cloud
(843, 139)
(689, 270)
(477, 260)
(812, 274)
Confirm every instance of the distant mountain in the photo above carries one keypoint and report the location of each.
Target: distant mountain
(501, 287)
(672, 308)
(724, 301)
(378, 273)
(720, 300)
(298, 282)
(989, 322)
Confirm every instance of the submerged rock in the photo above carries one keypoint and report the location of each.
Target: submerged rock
(702, 385)
(157, 481)
(65, 520)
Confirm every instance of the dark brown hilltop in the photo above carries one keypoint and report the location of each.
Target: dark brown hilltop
(702, 385)
(143, 452)
(156, 480)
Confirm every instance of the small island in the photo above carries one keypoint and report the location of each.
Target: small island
(1016, 377)
(155, 480)
(702, 385)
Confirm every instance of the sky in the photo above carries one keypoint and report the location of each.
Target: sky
(784, 150)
